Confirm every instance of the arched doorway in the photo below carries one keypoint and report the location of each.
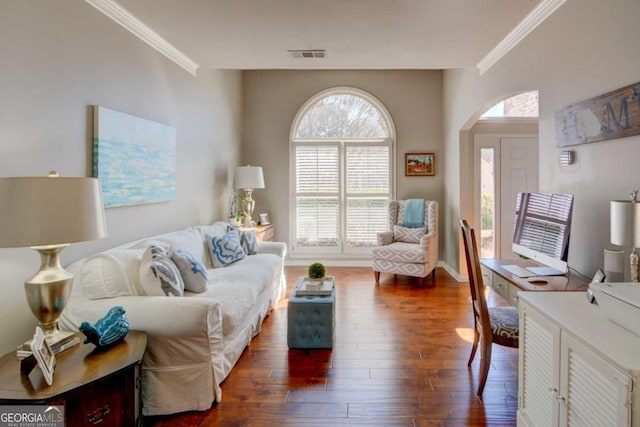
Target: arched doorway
(500, 143)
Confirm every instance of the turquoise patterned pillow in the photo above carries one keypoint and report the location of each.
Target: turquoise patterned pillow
(225, 249)
(249, 242)
(191, 269)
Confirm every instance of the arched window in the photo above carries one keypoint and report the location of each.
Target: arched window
(342, 161)
(523, 105)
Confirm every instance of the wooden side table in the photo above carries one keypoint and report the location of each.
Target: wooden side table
(94, 386)
(264, 233)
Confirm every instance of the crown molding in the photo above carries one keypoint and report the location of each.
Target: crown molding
(123, 17)
(541, 12)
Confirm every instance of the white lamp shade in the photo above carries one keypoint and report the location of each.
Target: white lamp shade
(625, 223)
(41, 211)
(249, 177)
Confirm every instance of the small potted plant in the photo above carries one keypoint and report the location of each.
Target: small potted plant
(316, 271)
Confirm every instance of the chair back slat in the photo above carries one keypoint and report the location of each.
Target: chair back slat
(476, 284)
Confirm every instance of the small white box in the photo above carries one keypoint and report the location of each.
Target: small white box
(620, 303)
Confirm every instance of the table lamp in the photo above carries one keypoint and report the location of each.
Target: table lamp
(625, 228)
(47, 214)
(248, 178)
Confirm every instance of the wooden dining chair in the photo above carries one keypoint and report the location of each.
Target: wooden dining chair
(497, 325)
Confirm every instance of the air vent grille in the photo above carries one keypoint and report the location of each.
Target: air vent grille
(308, 54)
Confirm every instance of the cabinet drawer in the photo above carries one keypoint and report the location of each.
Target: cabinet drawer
(501, 286)
(513, 295)
(112, 401)
(487, 275)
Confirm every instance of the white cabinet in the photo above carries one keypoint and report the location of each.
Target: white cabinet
(576, 368)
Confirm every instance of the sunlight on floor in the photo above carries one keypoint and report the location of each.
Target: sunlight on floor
(466, 334)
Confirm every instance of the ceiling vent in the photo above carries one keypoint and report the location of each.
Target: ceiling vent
(310, 53)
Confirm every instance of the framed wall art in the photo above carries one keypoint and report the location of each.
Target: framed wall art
(419, 164)
(134, 158)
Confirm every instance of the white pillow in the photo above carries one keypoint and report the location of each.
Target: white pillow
(193, 273)
(111, 274)
(226, 249)
(408, 235)
(104, 277)
(159, 276)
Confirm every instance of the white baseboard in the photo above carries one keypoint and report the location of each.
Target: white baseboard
(457, 276)
(362, 262)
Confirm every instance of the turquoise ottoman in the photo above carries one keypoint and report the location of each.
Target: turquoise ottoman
(311, 321)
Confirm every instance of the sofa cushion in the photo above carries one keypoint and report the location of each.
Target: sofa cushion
(408, 235)
(191, 269)
(238, 286)
(225, 249)
(159, 276)
(399, 252)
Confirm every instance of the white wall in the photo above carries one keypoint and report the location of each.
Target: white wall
(585, 49)
(271, 100)
(60, 58)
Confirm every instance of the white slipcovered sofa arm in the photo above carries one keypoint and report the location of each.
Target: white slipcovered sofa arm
(164, 316)
(275, 248)
(384, 238)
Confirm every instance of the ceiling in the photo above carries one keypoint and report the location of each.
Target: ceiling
(356, 34)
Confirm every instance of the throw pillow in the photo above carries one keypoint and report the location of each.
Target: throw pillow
(104, 277)
(225, 249)
(408, 235)
(193, 273)
(249, 242)
(159, 276)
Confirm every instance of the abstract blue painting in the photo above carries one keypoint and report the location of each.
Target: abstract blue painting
(134, 158)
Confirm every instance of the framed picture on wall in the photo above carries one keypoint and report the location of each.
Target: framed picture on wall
(419, 164)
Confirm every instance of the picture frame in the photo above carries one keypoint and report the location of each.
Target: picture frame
(419, 164)
(44, 355)
(264, 219)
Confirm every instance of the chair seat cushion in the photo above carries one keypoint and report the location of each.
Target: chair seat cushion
(399, 252)
(504, 322)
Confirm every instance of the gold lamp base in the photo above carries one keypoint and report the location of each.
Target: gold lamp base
(248, 204)
(47, 293)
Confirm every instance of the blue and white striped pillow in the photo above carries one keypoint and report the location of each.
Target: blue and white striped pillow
(159, 275)
(225, 249)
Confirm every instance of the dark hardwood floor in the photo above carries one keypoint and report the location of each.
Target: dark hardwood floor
(399, 359)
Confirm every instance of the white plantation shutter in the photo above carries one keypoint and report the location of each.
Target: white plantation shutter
(367, 192)
(317, 193)
(342, 151)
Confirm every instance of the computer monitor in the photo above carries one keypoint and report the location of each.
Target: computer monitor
(541, 231)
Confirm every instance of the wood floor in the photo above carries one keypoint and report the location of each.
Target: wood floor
(399, 359)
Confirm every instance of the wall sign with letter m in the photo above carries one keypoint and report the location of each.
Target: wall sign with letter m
(615, 114)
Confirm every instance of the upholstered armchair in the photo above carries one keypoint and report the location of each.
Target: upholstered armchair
(409, 251)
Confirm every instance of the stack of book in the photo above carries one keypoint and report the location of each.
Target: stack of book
(24, 350)
(315, 287)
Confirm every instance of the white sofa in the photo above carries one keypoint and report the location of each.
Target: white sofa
(193, 340)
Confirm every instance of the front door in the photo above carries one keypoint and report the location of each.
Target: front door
(504, 165)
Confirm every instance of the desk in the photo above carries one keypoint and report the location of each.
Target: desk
(507, 284)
